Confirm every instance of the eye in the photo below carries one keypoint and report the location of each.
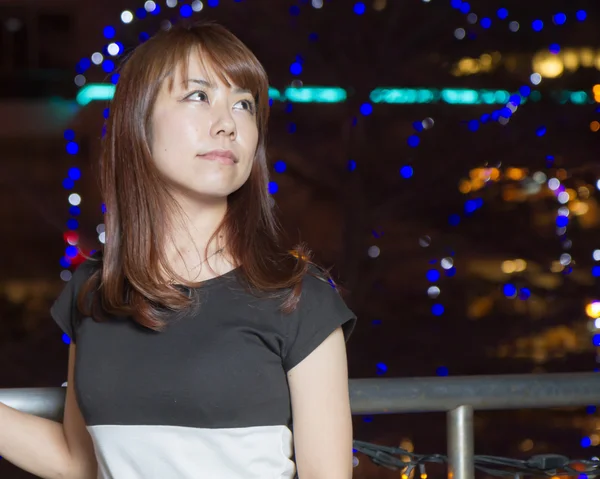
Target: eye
(197, 95)
(248, 105)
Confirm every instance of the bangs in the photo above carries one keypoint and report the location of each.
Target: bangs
(232, 63)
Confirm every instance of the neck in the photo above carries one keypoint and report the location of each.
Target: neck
(188, 251)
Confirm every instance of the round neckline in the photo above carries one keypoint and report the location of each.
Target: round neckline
(214, 280)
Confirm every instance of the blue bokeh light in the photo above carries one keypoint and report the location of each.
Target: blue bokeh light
(382, 367)
(581, 15)
(366, 109)
(525, 90)
(524, 293)
(433, 275)
(510, 291)
(109, 32)
(360, 8)
(74, 210)
(437, 310)
(473, 125)
(442, 371)
(72, 224)
(186, 11)
(502, 13)
(351, 165)
(280, 166)
(454, 220)
(68, 184)
(586, 442)
(74, 173)
(72, 148)
(413, 141)
(559, 18)
(296, 68)
(562, 221)
(486, 22)
(537, 25)
(108, 66)
(273, 187)
(69, 135)
(406, 171)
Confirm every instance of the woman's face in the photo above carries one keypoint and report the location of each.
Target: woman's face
(204, 137)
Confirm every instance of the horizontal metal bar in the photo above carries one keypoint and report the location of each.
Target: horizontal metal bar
(404, 395)
(522, 391)
(42, 402)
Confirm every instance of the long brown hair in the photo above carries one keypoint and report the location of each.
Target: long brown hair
(138, 206)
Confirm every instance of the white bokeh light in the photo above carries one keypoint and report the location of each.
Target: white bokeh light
(447, 263)
(565, 259)
(74, 199)
(127, 16)
(535, 78)
(563, 197)
(65, 275)
(433, 291)
(97, 58)
(553, 183)
(113, 49)
(460, 33)
(80, 80)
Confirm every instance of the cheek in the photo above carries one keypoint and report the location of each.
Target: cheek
(172, 133)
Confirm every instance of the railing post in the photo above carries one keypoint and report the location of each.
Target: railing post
(460, 443)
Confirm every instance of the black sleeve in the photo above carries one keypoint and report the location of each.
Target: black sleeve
(320, 311)
(64, 310)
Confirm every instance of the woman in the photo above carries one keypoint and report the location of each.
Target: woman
(198, 343)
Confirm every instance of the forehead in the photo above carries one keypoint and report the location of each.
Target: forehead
(197, 67)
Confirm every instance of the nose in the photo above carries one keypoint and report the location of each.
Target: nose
(223, 125)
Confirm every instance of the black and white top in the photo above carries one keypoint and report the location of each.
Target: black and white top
(209, 396)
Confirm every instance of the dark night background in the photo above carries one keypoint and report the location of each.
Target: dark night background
(392, 195)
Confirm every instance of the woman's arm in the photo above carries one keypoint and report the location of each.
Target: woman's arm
(47, 448)
(321, 411)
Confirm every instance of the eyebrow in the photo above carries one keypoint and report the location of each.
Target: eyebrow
(210, 85)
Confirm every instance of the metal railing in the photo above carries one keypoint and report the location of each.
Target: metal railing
(458, 396)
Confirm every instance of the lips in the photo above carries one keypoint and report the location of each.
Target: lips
(224, 157)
